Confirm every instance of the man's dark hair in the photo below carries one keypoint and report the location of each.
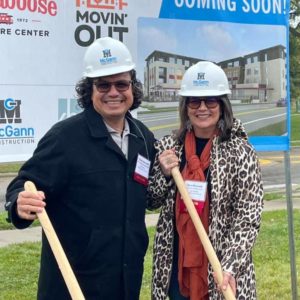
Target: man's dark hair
(84, 89)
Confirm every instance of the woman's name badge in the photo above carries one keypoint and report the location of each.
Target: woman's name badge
(197, 191)
(142, 168)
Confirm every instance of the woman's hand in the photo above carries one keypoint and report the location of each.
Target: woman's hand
(168, 160)
(28, 204)
(227, 279)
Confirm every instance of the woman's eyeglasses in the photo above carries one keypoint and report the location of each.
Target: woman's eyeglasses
(120, 85)
(195, 102)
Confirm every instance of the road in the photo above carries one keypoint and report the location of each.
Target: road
(273, 167)
(253, 117)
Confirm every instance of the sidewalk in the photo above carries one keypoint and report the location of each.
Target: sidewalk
(8, 237)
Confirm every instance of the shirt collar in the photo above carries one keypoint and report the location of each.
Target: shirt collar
(111, 130)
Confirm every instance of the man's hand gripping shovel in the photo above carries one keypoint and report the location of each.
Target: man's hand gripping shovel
(57, 249)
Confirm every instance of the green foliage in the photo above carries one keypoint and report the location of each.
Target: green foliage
(19, 264)
(294, 46)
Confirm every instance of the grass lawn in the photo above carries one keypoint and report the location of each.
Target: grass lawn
(19, 264)
(277, 129)
(295, 132)
(4, 225)
(280, 128)
(10, 167)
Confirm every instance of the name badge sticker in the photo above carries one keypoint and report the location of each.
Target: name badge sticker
(142, 168)
(197, 191)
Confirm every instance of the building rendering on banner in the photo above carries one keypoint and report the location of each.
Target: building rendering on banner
(163, 74)
(256, 77)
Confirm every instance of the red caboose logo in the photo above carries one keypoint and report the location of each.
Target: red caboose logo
(5, 19)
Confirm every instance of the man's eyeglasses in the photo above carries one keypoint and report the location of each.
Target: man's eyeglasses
(195, 102)
(105, 86)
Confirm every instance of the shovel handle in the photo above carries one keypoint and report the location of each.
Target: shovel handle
(57, 250)
(209, 250)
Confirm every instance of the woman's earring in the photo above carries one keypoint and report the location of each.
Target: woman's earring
(221, 124)
(188, 125)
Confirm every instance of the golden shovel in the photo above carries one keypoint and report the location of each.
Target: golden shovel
(211, 255)
(60, 256)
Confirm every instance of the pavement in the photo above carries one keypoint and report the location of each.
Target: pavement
(33, 234)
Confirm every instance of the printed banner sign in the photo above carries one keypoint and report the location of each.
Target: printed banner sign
(43, 43)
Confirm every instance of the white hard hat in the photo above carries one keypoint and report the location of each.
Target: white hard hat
(204, 79)
(107, 56)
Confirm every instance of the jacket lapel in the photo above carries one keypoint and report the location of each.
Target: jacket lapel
(137, 141)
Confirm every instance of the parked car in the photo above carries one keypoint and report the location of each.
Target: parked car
(281, 102)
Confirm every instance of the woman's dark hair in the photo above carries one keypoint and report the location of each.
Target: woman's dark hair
(224, 124)
(84, 89)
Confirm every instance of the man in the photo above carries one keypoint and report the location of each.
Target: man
(91, 172)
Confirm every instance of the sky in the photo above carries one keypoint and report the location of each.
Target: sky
(215, 41)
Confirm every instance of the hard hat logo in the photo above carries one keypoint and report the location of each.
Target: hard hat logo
(114, 58)
(201, 76)
(107, 58)
(200, 80)
(200, 83)
(106, 53)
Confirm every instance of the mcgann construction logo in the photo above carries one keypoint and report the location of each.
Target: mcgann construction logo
(11, 130)
(200, 81)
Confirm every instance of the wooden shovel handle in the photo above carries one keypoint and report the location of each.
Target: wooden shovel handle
(212, 257)
(57, 250)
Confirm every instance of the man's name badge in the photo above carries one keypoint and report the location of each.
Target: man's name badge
(142, 168)
(197, 191)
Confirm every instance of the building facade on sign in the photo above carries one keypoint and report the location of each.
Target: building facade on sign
(163, 74)
(258, 77)
(254, 78)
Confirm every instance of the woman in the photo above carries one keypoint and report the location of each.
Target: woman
(223, 177)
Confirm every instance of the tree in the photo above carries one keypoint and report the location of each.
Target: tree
(294, 46)
(295, 18)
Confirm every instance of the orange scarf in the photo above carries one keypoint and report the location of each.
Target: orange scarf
(192, 260)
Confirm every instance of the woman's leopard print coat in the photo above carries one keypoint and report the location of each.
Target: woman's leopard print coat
(235, 213)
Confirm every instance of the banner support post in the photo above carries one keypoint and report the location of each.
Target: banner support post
(290, 217)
